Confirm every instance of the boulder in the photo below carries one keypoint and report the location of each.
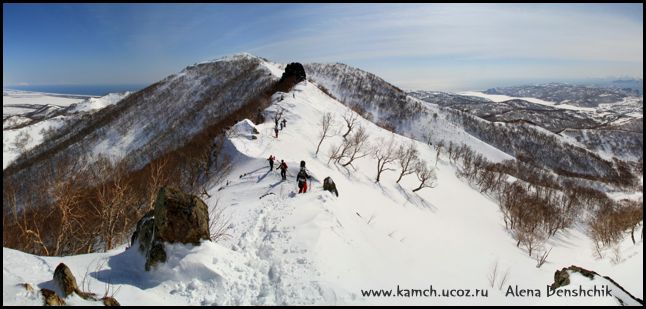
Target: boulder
(180, 217)
(143, 235)
(295, 71)
(177, 218)
(65, 279)
(51, 298)
(328, 185)
(561, 278)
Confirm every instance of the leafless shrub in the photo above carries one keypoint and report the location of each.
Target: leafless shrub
(503, 280)
(426, 176)
(21, 141)
(351, 119)
(111, 203)
(219, 222)
(350, 149)
(386, 153)
(541, 258)
(326, 122)
(407, 159)
(616, 254)
(358, 146)
(438, 148)
(494, 273)
(157, 178)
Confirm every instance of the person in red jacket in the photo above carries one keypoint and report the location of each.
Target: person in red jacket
(301, 178)
(283, 169)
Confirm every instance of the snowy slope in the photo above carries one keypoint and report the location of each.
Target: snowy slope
(27, 116)
(315, 248)
(386, 103)
(502, 98)
(155, 120)
(19, 102)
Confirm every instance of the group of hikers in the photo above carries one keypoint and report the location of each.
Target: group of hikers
(301, 177)
(283, 124)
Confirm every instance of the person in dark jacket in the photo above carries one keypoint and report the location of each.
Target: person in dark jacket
(276, 130)
(301, 178)
(283, 124)
(283, 169)
(271, 162)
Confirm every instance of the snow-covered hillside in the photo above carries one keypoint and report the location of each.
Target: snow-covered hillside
(29, 116)
(153, 121)
(316, 248)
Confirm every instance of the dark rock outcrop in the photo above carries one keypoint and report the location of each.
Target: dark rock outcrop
(180, 217)
(67, 283)
(294, 70)
(562, 278)
(328, 185)
(177, 217)
(65, 279)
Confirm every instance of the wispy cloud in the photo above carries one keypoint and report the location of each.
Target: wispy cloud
(446, 46)
(477, 31)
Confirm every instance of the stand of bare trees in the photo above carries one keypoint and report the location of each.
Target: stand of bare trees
(89, 207)
(112, 201)
(536, 205)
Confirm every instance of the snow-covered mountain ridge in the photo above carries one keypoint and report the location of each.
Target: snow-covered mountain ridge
(316, 248)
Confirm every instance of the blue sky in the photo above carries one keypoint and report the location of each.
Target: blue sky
(415, 46)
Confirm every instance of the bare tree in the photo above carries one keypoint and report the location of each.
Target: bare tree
(426, 176)
(541, 258)
(407, 157)
(334, 153)
(350, 119)
(428, 138)
(22, 140)
(386, 153)
(438, 148)
(158, 178)
(358, 145)
(28, 233)
(67, 193)
(113, 199)
(326, 123)
(218, 222)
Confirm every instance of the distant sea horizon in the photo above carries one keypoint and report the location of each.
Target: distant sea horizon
(91, 90)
